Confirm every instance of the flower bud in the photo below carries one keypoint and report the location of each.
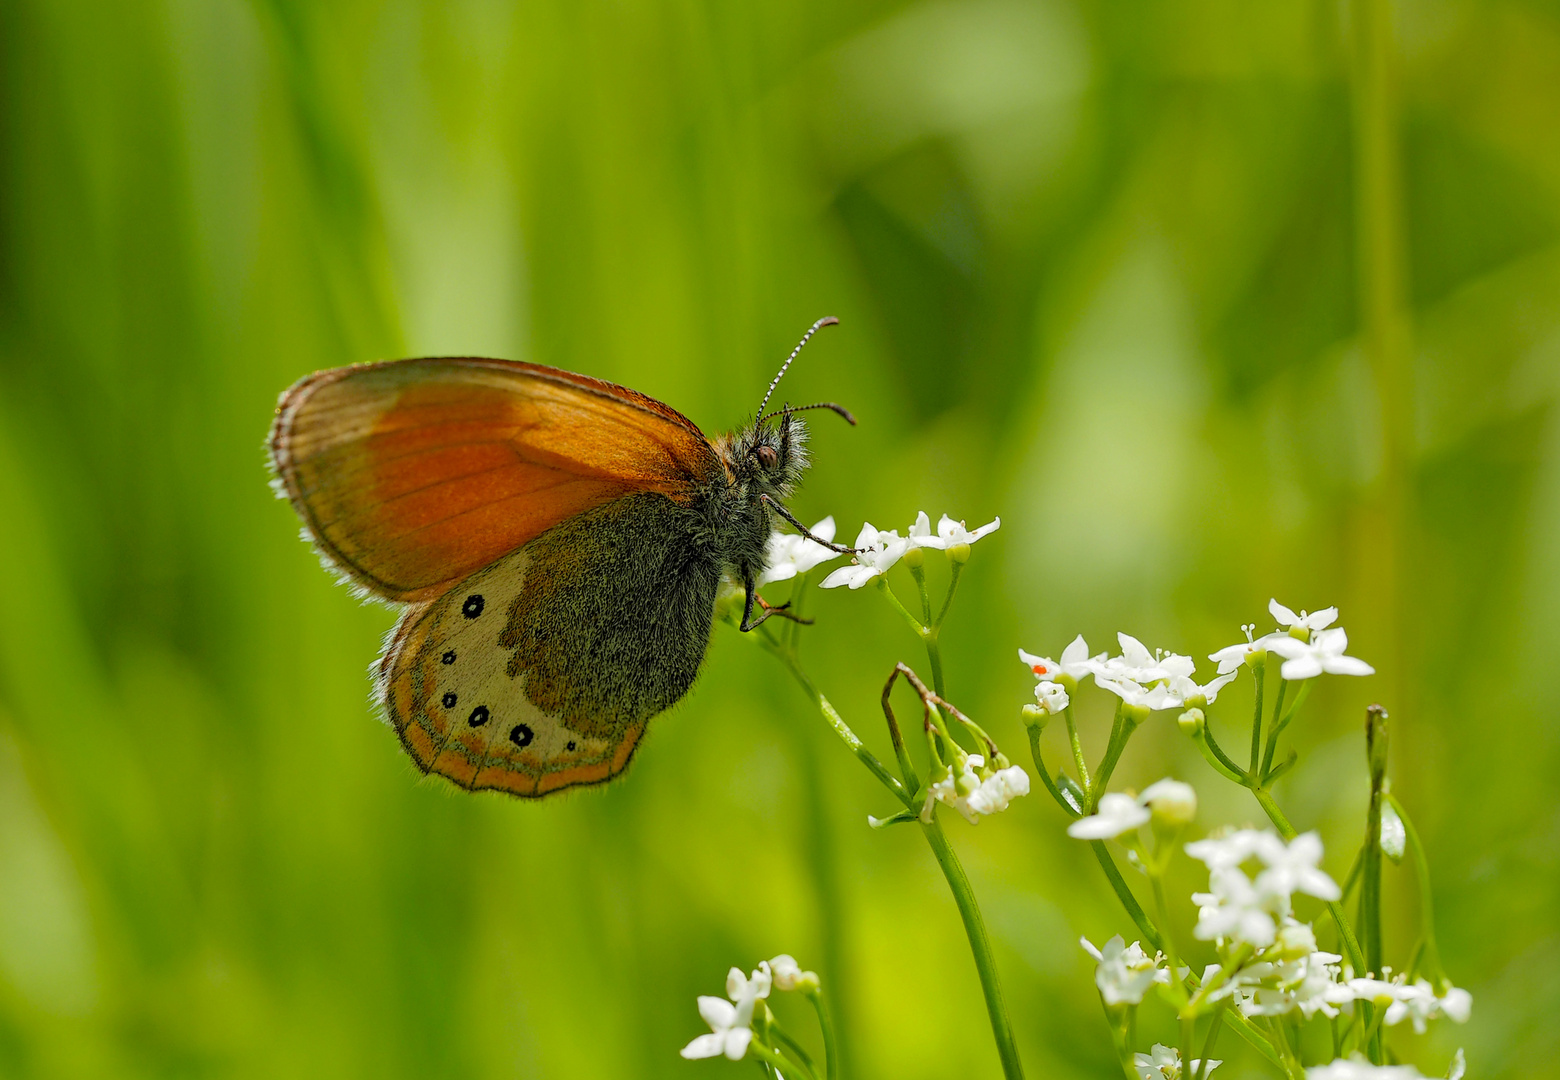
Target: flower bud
(1296, 940)
(1035, 717)
(788, 974)
(1134, 714)
(1172, 803)
(1052, 697)
(1376, 743)
(959, 553)
(914, 558)
(1191, 721)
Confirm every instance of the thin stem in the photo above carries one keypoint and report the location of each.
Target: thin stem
(1207, 1051)
(1120, 732)
(906, 767)
(918, 572)
(1256, 734)
(916, 625)
(980, 946)
(1416, 849)
(1077, 748)
(831, 1050)
(1258, 670)
(954, 569)
(1124, 894)
(1045, 774)
(777, 1061)
(1216, 757)
(803, 1058)
(837, 722)
(1289, 714)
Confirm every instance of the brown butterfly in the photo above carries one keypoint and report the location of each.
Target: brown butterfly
(557, 541)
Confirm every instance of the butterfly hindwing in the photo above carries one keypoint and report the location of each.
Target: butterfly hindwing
(541, 671)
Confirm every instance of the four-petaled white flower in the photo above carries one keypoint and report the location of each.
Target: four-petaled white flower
(1360, 1069)
(790, 554)
(1309, 621)
(1074, 664)
(998, 790)
(1231, 657)
(1125, 972)
(1051, 697)
(1324, 652)
(876, 553)
(1241, 909)
(731, 1022)
(1164, 1063)
(1171, 801)
(949, 532)
(1117, 814)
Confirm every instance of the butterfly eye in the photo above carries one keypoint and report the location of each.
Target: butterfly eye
(766, 456)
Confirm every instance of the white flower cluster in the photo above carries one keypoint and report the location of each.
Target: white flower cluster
(1125, 972)
(1308, 642)
(975, 789)
(1285, 972)
(731, 1022)
(1248, 911)
(1153, 680)
(790, 554)
(878, 550)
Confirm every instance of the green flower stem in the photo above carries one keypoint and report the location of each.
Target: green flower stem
(803, 1058)
(1120, 732)
(1217, 757)
(1432, 952)
(1289, 714)
(955, 567)
(1248, 1031)
(1045, 774)
(837, 722)
(980, 946)
(1220, 977)
(1256, 733)
(1122, 1042)
(881, 582)
(777, 1061)
(831, 1051)
(918, 572)
(1124, 894)
(1172, 954)
(1207, 1050)
(1258, 671)
(1077, 748)
(1351, 945)
(1370, 885)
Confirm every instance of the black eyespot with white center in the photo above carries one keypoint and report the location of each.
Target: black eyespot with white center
(473, 606)
(521, 735)
(449, 699)
(570, 746)
(478, 717)
(448, 658)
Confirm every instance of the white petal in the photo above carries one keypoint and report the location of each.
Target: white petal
(737, 1042)
(1077, 650)
(705, 1046)
(1318, 620)
(824, 530)
(718, 1013)
(1281, 614)
(1346, 665)
(1304, 667)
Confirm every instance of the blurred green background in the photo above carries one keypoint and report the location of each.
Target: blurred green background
(1125, 274)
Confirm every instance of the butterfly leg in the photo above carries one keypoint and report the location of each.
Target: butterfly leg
(750, 623)
(783, 512)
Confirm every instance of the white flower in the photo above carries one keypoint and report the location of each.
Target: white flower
(1308, 621)
(1157, 680)
(1324, 652)
(989, 796)
(731, 1025)
(790, 554)
(1359, 1069)
(1117, 814)
(1419, 1003)
(1231, 657)
(949, 532)
(788, 974)
(1075, 662)
(1246, 910)
(1173, 802)
(998, 790)
(876, 552)
(1164, 1063)
(1125, 972)
(1052, 697)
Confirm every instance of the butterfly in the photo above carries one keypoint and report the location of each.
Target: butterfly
(557, 542)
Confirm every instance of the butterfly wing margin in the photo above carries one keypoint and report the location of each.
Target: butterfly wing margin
(410, 475)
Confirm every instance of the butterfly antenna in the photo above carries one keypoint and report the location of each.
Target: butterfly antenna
(833, 407)
(827, 320)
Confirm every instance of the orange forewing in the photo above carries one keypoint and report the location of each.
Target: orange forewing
(414, 474)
